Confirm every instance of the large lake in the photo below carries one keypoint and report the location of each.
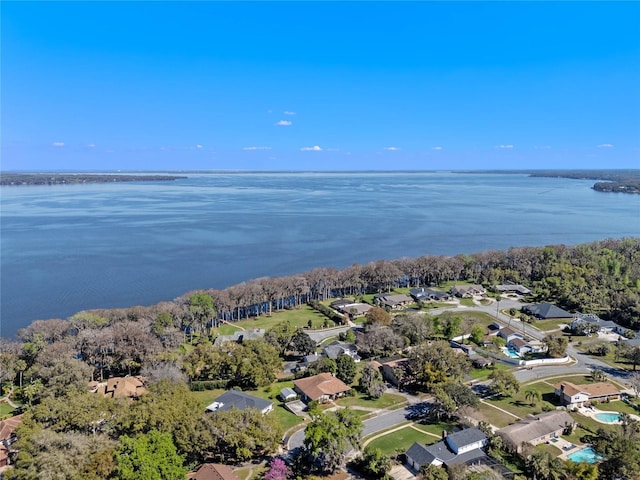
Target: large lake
(75, 247)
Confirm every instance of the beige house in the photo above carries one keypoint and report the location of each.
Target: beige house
(578, 395)
(120, 387)
(323, 387)
(535, 429)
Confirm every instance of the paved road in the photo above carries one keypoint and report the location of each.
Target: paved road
(382, 421)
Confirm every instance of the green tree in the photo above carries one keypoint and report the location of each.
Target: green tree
(532, 395)
(374, 464)
(371, 382)
(201, 310)
(302, 343)
(582, 471)
(377, 316)
(597, 375)
(149, 456)
(504, 383)
(346, 368)
(327, 438)
(431, 472)
(477, 333)
(556, 345)
(240, 435)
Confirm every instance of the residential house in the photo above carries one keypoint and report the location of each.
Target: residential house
(535, 429)
(546, 310)
(390, 369)
(578, 395)
(353, 309)
(120, 387)
(240, 401)
(323, 387)
(463, 447)
(337, 348)
(519, 345)
(429, 294)
(467, 291)
(7, 437)
(480, 362)
(595, 324)
(508, 334)
(240, 336)
(512, 288)
(212, 471)
(393, 302)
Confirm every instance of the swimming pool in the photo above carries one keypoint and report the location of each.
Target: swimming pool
(510, 353)
(585, 455)
(608, 417)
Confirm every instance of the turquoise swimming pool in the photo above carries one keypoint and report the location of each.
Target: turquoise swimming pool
(586, 455)
(510, 353)
(608, 417)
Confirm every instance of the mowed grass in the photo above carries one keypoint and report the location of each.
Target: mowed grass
(359, 400)
(284, 416)
(6, 410)
(551, 324)
(400, 440)
(298, 317)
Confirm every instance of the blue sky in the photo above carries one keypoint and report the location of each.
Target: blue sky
(315, 86)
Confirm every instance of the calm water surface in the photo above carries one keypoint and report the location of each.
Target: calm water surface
(75, 247)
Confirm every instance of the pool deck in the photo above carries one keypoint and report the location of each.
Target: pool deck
(592, 412)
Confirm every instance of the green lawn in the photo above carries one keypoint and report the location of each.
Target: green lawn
(616, 406)
(549, 325)
(6, 410)
(435, 428)
(548, 447)
(587, 426)
(401, 440)
(284, 416)
(494, 416)
(298, 317)
(386, 400)
(483, 373)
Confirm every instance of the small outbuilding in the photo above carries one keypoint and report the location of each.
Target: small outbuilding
(287, 394)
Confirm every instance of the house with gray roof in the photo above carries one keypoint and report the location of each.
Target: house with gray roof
(535, 429)
(459, 448)
(596, 324)
(512, 288)
(467, 291)
(546, 310)
(337, 348)
(428, 294)
(240, 401)
(393, 302)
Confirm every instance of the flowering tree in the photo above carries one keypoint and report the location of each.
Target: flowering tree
(278, 470)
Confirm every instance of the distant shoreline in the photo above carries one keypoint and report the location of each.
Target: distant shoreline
(612, 180)
(24, 179)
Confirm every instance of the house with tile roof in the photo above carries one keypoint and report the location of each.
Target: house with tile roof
(578, 395)
(323, 387)
(459, 448)
(8, 436)
(535, 429)
(240, 401)
(393, 302)
(212, 471)
(121, 387)
(512, 288)
(429, 294)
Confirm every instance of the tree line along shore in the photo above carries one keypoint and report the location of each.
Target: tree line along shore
(70, 432)
(15, 179)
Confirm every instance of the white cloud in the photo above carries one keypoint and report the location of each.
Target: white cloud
(284, 123)
(315, 148)
(391, 149)
(605, 145)
(504, 146)
(437, 147)
(199, 147)
(91, 145)
(57, 144)
(289, 113)
(256, 148)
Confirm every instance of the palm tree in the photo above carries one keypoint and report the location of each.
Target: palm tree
(532, 395)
